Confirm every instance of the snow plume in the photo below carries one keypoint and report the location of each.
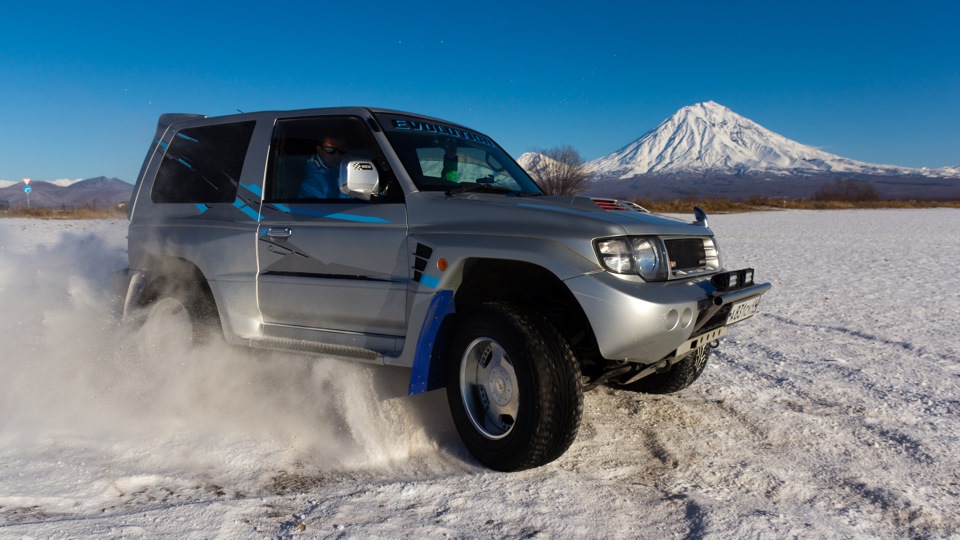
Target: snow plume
(70, 367)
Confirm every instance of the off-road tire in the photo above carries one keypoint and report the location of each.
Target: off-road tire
(680, 376)
(546, 395)
(196, 299)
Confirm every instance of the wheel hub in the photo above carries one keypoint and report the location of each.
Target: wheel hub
(500, 386)
(488, 388)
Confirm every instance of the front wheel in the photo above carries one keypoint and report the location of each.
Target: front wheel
(514, 387)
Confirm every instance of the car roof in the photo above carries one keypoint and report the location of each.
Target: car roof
(168, 119)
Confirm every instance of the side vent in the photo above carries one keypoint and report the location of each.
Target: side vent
(421, 256)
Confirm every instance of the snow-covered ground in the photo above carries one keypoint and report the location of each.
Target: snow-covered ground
(835, 413)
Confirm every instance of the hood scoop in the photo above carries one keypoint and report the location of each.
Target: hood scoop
(618, 205)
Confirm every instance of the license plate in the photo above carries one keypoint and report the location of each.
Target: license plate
(743, 310)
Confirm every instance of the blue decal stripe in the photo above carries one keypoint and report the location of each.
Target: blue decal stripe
(430, 281)
(182, 136)
(242, 206)
(334, 215)
(282, 207)
(359, 219)
(202, 207)
(254, 188)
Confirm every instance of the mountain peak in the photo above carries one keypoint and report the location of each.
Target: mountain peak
(704, 108)
(708, 138)
(98, 182)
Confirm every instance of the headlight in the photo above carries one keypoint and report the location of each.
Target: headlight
(642, 255)
(649, 258)
(615, 255)
(659, 259)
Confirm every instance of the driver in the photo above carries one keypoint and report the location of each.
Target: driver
(321, 175)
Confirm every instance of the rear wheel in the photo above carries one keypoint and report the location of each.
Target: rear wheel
(187, 306)
(514, 387)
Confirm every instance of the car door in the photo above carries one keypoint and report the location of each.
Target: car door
(329, 262)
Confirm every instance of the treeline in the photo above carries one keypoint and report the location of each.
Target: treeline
(714, 206)
(837, 195)
(89, 211)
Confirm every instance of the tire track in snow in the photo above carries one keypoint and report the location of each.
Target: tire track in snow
(904, 345)
(819, 405)
(858, 433)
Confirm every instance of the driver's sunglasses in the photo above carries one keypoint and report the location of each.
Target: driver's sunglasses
(331, 150)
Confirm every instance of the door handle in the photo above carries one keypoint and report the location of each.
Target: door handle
(279, 232)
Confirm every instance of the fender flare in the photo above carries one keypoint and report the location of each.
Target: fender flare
(427, 374)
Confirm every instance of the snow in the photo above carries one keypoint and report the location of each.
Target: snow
(831, 414)
(66, 182)
(943, 172)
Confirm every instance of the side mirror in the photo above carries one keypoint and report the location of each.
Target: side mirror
(358, 177)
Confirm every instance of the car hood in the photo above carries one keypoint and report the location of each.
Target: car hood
(554, 217)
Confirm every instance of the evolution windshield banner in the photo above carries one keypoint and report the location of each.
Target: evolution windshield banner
(400, 124)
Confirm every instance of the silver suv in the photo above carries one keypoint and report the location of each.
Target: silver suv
(403, 240)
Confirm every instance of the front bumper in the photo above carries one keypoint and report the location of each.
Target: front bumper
(645, 322)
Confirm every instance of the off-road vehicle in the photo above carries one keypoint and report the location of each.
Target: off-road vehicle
(434, 250)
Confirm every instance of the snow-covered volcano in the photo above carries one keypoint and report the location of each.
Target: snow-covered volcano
(708, 138)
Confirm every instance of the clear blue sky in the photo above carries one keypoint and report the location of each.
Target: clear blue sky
(82, 84)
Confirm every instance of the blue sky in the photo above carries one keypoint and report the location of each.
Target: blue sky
(82, 84)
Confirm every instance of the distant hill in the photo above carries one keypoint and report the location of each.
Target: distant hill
(99, 192)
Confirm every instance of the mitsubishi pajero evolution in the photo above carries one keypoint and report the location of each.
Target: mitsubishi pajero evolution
(429, 248)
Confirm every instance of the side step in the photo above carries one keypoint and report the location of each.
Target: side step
(310, 347)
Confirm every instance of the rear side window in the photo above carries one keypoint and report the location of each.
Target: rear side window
(203, 164)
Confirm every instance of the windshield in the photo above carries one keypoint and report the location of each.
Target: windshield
(441, 157)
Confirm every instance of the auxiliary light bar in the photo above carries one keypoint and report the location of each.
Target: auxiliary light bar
(735, 279)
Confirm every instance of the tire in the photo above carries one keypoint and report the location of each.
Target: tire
(514, 388)
(680, 376)
(189, 302)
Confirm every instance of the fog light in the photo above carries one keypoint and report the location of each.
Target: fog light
(671, 320)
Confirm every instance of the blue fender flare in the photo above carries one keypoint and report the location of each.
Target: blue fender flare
(428, 369)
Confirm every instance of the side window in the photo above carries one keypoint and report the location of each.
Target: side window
(203, 164)
(306, 153)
